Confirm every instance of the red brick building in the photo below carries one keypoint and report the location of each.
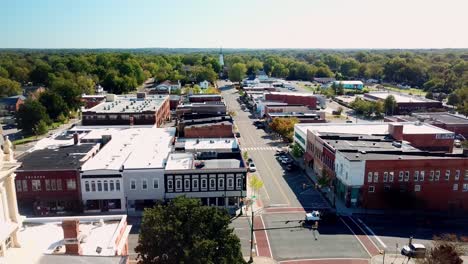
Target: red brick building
(405, 103)
(90, 101)
(213, 130)
(129, 110)
(407, 166)
(48, 181)
(306, 99)
(200, 98)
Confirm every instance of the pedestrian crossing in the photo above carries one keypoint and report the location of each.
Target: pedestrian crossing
(258, 148)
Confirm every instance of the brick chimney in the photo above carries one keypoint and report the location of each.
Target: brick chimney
(71, 232)
(396, 130)
(76, 139)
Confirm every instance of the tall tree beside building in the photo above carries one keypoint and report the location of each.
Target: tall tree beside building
(237, 72)
(54, 104)
(284, 126)
(184, 231)
(9, 87)
(389, 105)
(30, 114)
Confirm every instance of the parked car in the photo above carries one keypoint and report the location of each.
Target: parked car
(280, 152)
(312, 216)
(237, 134)
(349, 121)
(252, 167)
(414, 251)
(249, 160)
(291, 167)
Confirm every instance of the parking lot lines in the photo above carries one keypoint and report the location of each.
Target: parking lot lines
(327, 261)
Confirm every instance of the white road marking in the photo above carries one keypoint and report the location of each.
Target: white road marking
(266, 234)
(318, 259)
(378, 249)
(278, 205)
(372, 232)
(362, 244)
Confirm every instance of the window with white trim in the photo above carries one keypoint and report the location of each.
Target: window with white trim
(111, 185)
(466, 175)
(170, 185)
(71, 184)
(385, 176)
(369, 177)
(417, 188)
(416, 176)
(391, 174)
(447, 175)
(47, 185)
(437, 175)
(421, 175)
(93, 186)
(230, 183)
(86, 184)
(212, 183)
(187, 184)
(457, 175)
(132, 184)
(400, 176)
(203, 183)
(221, 183)
(117, 185)
(53, 185)
(36, 185)
(431, 175)
(59, 184)
(406, 176)
(195, 184)
(99, 186)
(18, 185)
(455, 186)
(144, 184)
(25, 185)
(376, 177)
(106, 186)
(371, 189)
(178, 184)
(155, 183)
(465, 187)
(239, 183)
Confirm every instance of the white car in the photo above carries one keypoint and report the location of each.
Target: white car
(252, 167)
(313, 216)
(414, 251)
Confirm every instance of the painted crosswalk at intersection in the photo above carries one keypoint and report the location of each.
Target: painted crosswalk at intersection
(259, 148)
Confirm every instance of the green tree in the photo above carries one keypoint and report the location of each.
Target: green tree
(184, 231)
(40, 128)
(253, 66)
(389, 105)
(453, 99)
(54, 105)
(237, 72)
(30, 114)
(68, 90)
(297, 151)
(255, 183)
(9, 87)
(429, 95)
(4, 73)
(340, 89)
(284, 126)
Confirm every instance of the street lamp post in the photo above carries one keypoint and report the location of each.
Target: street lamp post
(241, 202)
(251, 237)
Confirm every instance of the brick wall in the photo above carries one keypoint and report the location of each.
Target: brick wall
(209, 131)
(310, 101)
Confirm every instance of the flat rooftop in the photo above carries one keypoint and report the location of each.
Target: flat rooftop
(368, 145)
(208, 144)
(295, 114)
(293, 94)
(42, 239)
(58, 158)
(188, 161)
(133, 148)
(371, 128)
(399, 98)
(442, 117)
(129, 104)
(385, 156)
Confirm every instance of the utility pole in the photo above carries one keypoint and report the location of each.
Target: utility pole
(251, 237)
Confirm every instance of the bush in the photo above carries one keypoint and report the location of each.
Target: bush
(41, 128)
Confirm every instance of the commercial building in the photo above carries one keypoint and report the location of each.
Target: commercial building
(201, 98)
(303, 113)
(405, 103)
(306, 99)
(140, 109)
(10, 105)
(174, 101)
(10, 220)
(391, 165)
(90, 101)
(350, 84)
(451, 122)
(72, 240)
(209, 169)
(201, 110)
(128, 172)
(211, 127)
(48, 180)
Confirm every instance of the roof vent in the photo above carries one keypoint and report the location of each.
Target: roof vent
(400, 157)
(363, 151)
(357, 155)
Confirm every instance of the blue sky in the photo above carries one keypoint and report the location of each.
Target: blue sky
(233, 24)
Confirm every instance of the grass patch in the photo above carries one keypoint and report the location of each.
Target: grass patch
(25, 140)
(413, 91)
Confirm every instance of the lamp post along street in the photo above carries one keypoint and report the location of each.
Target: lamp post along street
(251, 237)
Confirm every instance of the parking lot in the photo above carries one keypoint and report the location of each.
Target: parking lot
(331, 240)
